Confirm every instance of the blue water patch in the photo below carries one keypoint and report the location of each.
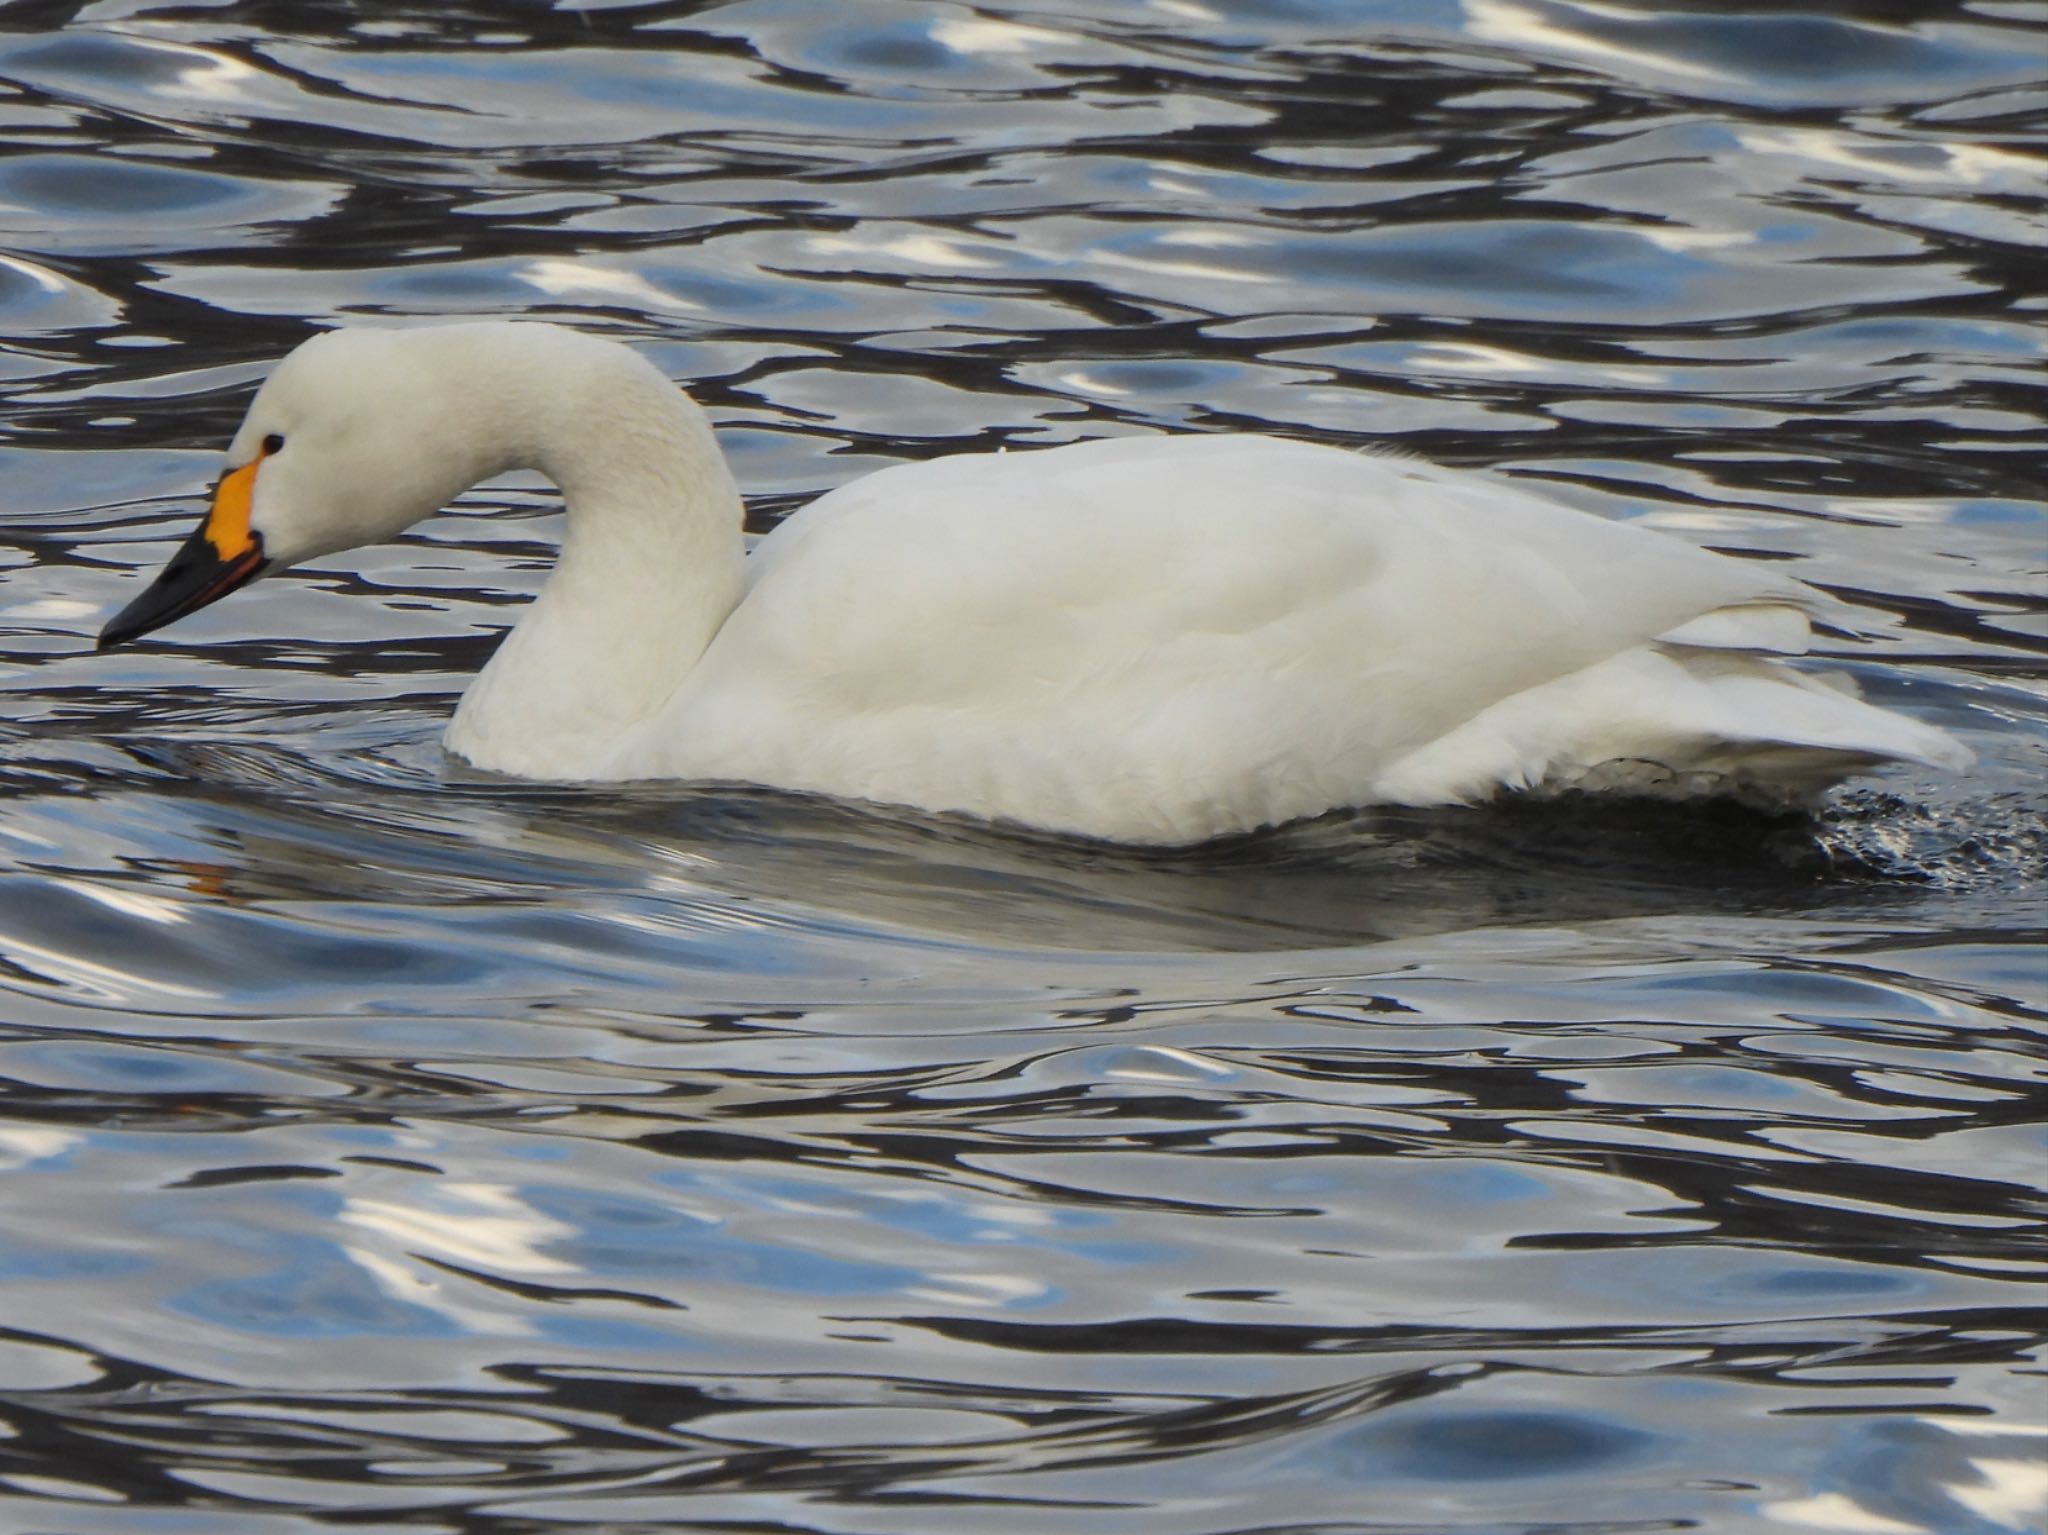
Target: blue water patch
(1792, 57)
(2009, 513)
(26, 1259)
(106, 1066)
(311, 1297)
(35, 298)
(90, 56)
(611, 1235)
(1819, 1282)
(83, 188)
(75, 204)
(1484, 1183)
(1461, 1445)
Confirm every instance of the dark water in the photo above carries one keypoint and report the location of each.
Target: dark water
(389, 1148)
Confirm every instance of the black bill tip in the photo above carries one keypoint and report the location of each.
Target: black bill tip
(195, 576)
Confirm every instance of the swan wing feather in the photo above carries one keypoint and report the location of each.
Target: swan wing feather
(1130, 626)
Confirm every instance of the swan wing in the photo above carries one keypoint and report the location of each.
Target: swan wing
(1161, 638)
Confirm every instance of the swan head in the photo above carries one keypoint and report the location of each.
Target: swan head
(356, 436)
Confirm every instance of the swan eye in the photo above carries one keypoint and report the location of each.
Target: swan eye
(274, 443)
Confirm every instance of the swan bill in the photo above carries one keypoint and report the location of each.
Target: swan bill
(222, 554)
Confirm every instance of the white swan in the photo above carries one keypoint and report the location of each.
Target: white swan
(1152, 640)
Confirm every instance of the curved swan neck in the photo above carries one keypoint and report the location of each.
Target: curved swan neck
(652, 552)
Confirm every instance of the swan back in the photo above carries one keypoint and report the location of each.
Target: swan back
(1161, 639)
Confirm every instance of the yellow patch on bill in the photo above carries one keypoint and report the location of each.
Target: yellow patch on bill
(227, 526)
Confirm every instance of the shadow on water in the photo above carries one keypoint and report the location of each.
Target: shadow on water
(1355, 877)
(414, 826)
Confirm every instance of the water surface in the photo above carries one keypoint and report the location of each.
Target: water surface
(393, 1148)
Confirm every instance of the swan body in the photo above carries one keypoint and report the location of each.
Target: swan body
(1154, 640)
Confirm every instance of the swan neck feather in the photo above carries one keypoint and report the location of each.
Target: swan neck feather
(651, 557)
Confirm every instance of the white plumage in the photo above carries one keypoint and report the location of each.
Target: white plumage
(1150, 640)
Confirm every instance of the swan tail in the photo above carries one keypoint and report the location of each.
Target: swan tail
(1674, 720)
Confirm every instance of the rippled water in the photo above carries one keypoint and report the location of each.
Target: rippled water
(393, 1148)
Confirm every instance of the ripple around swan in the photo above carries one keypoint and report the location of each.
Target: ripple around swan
(389, 1144)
